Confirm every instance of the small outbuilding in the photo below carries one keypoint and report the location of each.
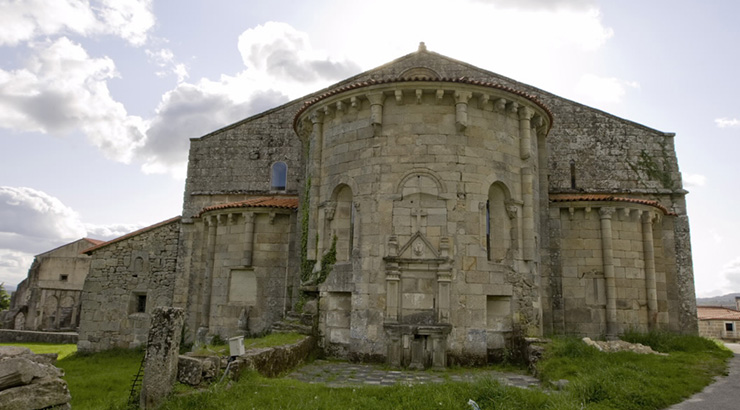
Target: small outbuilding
(719, 322)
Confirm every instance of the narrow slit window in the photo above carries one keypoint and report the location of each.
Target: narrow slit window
(141, 303)
(573, 174)
(279, 176)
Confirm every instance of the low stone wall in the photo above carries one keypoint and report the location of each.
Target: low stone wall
(273, 361)
(27, 336)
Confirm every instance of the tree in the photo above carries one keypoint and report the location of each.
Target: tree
(4, 297)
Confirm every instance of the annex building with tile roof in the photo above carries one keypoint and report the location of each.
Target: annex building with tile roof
(424, 213)
(719, 322)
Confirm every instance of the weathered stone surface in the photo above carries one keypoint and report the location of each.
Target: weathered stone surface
(189, 370)
(12, 351)
(49, 298)
(433, 195)
(621, 346)
(41, 394)
(128, 278)
(273, 361)
(160, 370)
(21, 370)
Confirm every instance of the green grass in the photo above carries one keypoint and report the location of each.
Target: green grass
(62, 350)
(101, 380)
(598, 381)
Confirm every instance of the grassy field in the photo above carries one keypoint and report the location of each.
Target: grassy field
(598, 381)
(62, 351)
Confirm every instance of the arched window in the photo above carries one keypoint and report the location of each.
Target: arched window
(278, 176)
(498, 225)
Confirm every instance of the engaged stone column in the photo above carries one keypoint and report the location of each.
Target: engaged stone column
(649, 257)
(316, 143)
(392, 282)
(608, 262)
(162, 350)
(528, 214)
(525, 131)
(248, 237)
(212, 223)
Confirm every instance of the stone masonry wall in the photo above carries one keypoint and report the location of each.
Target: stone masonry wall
(234, 163)
(124, 275)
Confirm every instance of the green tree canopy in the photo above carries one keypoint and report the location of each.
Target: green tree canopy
(4, 297)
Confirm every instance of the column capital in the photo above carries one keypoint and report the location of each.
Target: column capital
(525, 113)
(317, 117)
(606, 212)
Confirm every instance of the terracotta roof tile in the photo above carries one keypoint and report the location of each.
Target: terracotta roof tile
(129, 235)
(717, 313)
(282, 202)
(463, 80)
(608, 198)
(94, 241)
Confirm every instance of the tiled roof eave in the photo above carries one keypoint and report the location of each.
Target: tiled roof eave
(461, 80)
(564, 198)
(274, 202)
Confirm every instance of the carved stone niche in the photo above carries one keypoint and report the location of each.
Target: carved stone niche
(418, 280)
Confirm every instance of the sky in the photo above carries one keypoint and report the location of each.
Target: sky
(99, 98)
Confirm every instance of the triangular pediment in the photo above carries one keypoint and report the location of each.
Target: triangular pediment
(418, 247)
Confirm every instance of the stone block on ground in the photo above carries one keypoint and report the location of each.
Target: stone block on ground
(40, 394)
(189, 370)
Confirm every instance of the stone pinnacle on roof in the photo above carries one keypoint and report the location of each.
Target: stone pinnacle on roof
(422, 46)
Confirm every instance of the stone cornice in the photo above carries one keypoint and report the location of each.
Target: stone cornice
(438, 85)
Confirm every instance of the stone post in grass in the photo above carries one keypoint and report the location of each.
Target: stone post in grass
(162, 350)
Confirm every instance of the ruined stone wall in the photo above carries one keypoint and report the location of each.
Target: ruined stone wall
(128, 278)
(49, 298)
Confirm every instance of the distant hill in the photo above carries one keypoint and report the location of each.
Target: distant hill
(724, 300)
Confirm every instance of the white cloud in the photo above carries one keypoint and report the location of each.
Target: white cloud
(542, 4)
(27, 20)
(110, 231)
(727, 122)
(694, 180)
(14, 266)
(284, 53)
(280, 64)
(603, 89)
(32, 221)
(62, 89)
(731, 272)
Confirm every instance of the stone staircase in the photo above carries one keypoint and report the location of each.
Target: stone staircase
(295, 322)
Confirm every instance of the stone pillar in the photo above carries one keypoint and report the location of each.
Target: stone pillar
(162, 351)
(608, 263)
(649, 258)
(211, 223)
(461, 109)
(248, 237)
(392, 283)
(444, 281)
(525, 131)
(314, 174)
(528, 214)
(376, 111)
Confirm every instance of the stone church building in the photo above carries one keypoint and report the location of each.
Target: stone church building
(426, 211)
